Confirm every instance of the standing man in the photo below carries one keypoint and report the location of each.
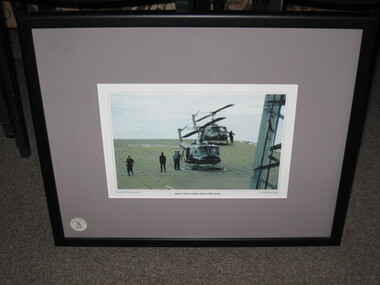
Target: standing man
(129, 163)
(177, 159)
(231, 135)
(163, 161)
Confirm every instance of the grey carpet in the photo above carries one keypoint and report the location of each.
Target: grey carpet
(28, 255)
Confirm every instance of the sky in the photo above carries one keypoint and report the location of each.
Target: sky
(158, 116)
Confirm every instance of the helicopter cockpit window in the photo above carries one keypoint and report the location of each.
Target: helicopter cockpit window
(207, 150)
(214, 129)
(214, 150)
(223, 129)
(201, 151)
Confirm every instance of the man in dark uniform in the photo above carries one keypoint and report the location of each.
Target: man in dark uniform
(175, 160)
(178, 161)
(163, 161)
(231, 135)
(129, 163)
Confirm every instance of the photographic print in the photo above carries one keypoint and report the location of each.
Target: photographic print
(197, 140)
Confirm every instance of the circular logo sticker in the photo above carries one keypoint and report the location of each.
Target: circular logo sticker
(78, 224)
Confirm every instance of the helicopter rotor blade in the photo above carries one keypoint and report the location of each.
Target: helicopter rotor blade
(204, 117)
(190, 134)
(225, 107)
(214, 112)
(212, 122)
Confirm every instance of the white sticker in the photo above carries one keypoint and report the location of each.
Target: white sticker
(78, 224)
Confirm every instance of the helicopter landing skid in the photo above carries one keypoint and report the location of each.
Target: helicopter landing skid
(203, 167)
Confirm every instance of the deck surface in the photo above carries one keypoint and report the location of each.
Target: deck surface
(237, 162)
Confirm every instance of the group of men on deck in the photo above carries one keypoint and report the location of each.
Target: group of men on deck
(162, 159)
(176, 158)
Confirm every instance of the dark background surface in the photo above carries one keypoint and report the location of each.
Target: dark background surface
(28, 255)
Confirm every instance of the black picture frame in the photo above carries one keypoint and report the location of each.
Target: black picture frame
(30, 25)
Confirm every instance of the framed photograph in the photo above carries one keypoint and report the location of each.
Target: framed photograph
(198, 130)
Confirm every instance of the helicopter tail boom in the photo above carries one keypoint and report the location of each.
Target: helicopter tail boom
(182, 144)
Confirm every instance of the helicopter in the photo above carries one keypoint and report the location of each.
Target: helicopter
(200, 154)
(211, 131)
